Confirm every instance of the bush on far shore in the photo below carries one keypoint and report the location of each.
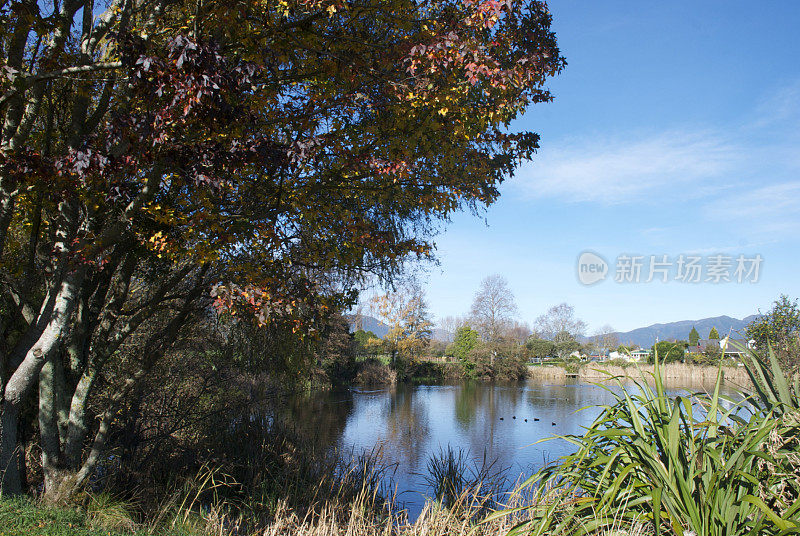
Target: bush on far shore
(373, 372)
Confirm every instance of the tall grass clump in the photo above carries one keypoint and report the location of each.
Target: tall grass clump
(104, 511)
(704, 465)
(458, 482)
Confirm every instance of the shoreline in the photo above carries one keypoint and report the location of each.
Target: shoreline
(736, 376)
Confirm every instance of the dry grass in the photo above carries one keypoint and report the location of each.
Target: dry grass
(674, 373)
(546, 372)
(106, 512)
(463, 518)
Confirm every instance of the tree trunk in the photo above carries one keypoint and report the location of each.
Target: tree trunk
(65, 463)
(59, 485)
(25, 377)
(10, 450)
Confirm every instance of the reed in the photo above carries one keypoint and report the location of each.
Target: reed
(672, 373)
(453, 477)
(546, 372)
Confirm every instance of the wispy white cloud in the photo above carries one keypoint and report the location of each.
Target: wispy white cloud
(778, 106)
(617, 171)
(740, 248)
(773, 209)
(676, 164)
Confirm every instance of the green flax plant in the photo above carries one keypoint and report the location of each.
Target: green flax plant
(775, 392)
(697, 465)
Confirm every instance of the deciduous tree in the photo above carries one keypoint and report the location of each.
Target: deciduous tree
(565, 344)
(450, 325)
(560, 318)
(605, 338)
(493, 308)
(405, 311)
(268, 156)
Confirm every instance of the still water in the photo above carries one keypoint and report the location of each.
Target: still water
(409, 424)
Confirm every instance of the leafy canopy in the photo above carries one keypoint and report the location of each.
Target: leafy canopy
(282, 142)
(465, 341)
(668, 351)
(780, 328)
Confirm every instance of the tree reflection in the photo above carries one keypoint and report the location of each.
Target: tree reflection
(468, 399)
(407, 424)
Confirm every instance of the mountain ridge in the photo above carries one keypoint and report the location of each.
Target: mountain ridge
(644, 336)
(679, 330)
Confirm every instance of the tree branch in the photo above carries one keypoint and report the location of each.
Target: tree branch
(24, 82)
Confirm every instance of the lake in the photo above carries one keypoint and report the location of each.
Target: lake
(408, 424)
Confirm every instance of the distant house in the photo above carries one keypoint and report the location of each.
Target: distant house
(730, 347)
(634, 355)
(600, 356)
(733, 347)
(701, 346)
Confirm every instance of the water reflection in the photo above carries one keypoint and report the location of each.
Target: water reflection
(411, 423)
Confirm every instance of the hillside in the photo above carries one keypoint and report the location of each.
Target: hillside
(646, 336)
(369, 323)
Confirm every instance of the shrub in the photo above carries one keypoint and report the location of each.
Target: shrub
(426, 372)
(572, 367)
(706, 358)
(779, 330)
(667, 351)
(373, 372)
(511, 369)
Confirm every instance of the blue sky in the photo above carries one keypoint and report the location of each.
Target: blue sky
(674, 131)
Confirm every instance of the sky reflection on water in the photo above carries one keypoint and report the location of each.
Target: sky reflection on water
(409, 424)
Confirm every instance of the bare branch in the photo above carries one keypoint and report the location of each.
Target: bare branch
(24, 82)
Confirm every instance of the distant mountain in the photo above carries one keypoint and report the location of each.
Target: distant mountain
(441, 335)
(369, 323)
(645, 337)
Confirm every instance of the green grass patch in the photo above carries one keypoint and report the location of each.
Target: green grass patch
(23, 516)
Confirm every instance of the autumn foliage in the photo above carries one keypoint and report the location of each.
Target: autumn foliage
(260, 157)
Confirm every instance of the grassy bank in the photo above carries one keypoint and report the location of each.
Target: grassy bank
(377, 371)
(24, 517)
(672, 373)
